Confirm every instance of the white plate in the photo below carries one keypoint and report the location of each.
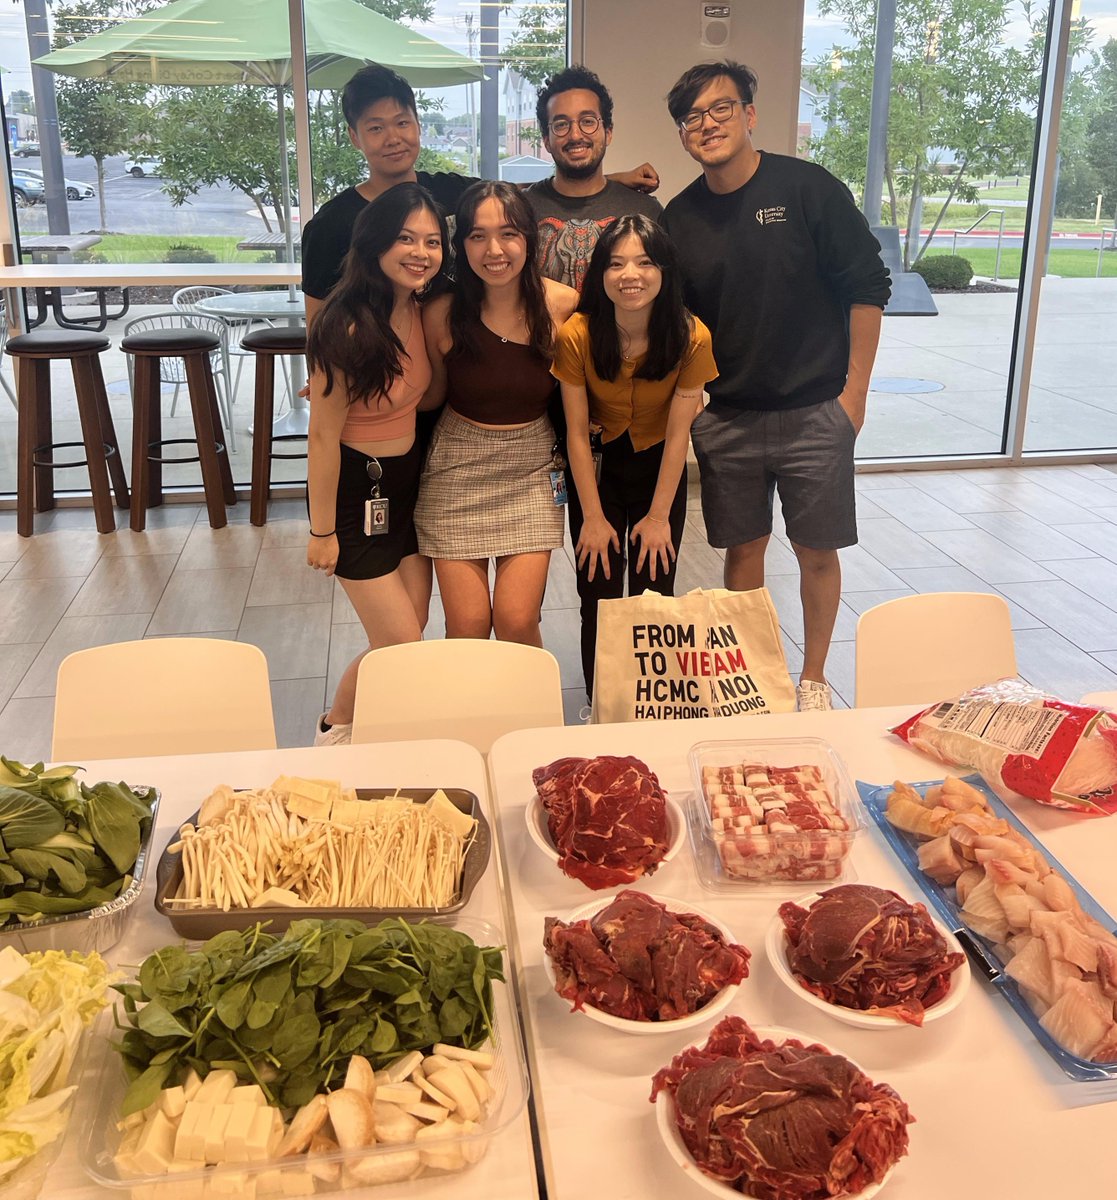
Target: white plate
(536, 817)
(712, 1009)
(676, 1147)
(775, 945)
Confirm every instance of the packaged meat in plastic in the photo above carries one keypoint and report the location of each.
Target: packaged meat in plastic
(1015, 735)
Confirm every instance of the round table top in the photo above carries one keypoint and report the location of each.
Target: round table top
(280, 305)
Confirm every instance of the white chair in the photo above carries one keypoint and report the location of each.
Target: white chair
(173, 370)
(462, 688)
(4, 331)
(186, 300)
(919, 649)
(162, 696)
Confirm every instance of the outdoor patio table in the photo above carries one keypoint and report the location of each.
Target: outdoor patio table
(43, 248)
(994, 1114)
(283, 306)
(508, 1169)
(276, 243)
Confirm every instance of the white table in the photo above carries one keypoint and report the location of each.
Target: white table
(995, 1116)
(508, 1169)
(274, 306)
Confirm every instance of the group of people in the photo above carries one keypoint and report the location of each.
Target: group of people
(486, 360)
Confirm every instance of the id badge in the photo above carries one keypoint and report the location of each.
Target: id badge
(558, 488)
(376, 516)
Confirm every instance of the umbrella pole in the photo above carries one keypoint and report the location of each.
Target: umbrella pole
(285, 176)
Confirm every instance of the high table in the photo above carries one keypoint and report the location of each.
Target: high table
(280, 306)
(995, 1116)
(508, 1168)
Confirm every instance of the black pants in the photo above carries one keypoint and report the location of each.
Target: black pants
(628, 479)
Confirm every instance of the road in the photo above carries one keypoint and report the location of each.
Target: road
(140, 205)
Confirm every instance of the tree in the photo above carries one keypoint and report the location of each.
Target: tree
(1102, 136)
(21, 101)
(537, 50)
(98, 117)
(401, 10)
(960, 92)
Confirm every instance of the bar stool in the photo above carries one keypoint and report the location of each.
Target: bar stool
(268, 345)
(194, 347)
(33, 354)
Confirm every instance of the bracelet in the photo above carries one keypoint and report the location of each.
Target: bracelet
(657, 520)
(332, 533)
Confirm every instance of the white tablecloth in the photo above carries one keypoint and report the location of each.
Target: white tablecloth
(995, 1116)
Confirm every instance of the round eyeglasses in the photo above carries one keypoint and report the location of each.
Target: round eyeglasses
(721, 111)
(587, 123)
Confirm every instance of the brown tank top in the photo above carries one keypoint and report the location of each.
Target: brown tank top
(506, 383)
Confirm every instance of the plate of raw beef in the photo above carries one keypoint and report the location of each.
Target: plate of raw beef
(866, 956)
(606, 821)
(770, 1112)
(643, 964)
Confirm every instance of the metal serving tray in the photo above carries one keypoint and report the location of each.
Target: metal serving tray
(983, 954)
(202, 923)
(97, 929)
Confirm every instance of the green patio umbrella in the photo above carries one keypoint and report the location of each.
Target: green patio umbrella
(195, 43)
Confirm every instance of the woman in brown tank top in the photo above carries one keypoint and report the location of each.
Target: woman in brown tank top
(486, 491)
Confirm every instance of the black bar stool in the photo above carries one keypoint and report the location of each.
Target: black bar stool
(268, 345)
(36, 464)
(194, 347)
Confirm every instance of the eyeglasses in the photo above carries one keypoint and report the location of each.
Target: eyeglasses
(587, 123)
(721, 111)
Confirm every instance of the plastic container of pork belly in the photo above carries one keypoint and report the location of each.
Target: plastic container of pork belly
(733, 856)
(102, 1095)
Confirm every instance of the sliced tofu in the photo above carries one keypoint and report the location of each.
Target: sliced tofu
(190, 1140)
(238, 1130)
(191, 1083)
(264, 1134)
(215, 1151)
(125, 1158)
(248, 1093)
(216, 1086)
(346, 812)
(443, 809)
(172, 1102)
(277, 897)
(155, 1149)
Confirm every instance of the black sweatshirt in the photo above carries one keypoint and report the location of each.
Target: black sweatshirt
(772, 269)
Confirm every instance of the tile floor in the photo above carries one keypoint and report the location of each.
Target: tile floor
(1044, 537)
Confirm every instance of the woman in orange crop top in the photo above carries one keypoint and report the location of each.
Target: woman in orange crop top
(633, 362)
(369, 372)
(487, 491)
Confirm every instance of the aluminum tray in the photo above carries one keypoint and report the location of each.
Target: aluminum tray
(98, 929)
(104, 1085)
(982, 952)
(202, 923)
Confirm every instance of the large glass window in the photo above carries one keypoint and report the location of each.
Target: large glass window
(160, 141)
(954, 204)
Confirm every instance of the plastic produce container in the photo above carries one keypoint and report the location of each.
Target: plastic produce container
(771, 813)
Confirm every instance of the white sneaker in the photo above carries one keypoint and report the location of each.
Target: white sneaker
(336, 735)
(812, 696)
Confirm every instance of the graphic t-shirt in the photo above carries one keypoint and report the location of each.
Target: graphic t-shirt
(569, 226)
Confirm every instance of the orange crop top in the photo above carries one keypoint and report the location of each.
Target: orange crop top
(384, 418)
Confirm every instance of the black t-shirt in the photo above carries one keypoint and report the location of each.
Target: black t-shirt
(772, 268)
(327, 236)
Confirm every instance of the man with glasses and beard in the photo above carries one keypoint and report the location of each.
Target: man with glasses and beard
(575, 114)
(784, 270)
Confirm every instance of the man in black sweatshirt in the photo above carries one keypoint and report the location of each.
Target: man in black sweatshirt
(780, 264)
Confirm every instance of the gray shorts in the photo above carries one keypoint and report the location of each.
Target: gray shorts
(807, 453)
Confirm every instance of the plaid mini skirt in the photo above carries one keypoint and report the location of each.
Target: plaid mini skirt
(485, 493)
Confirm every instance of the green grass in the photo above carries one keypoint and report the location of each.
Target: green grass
(152, 248)
(1070, 264)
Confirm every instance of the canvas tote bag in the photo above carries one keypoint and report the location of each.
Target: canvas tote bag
(708, 653)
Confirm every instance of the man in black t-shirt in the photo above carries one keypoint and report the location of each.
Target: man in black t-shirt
(575, 112)
(780, 264)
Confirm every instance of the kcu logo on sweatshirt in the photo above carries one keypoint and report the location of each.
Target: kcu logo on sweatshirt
(772, 216)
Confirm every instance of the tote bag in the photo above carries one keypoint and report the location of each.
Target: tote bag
(708, 653)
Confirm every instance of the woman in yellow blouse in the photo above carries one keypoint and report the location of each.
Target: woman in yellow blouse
(632, 363)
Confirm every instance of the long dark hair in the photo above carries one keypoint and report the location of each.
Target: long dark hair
(669, 323)
(353, 333)
(469, 288)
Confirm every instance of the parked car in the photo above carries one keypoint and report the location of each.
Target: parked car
(139, 167)
(27, 150)
(27, 189)
(75, 189)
